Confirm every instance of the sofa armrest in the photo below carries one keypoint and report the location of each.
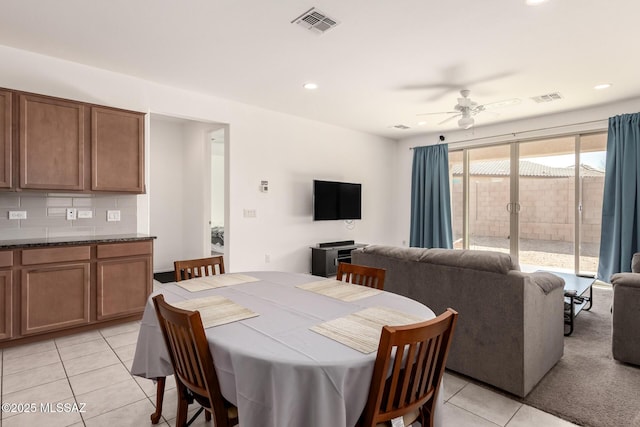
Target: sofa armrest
(626, 279)
(635, 263)
(547, 282)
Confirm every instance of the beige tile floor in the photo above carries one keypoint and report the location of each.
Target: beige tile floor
(91, 370)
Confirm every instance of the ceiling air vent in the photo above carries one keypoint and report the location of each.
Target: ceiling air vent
(555, 96)
(401, 127)
(316, 21)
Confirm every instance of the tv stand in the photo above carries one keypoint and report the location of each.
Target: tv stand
(325, 257)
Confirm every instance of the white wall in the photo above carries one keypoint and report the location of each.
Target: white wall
(217, 181)
(586, 120)
(290, 153)
(165, 187)
(261, 144)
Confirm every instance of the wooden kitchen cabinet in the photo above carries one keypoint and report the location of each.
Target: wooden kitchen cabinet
(69, 146)
(55, 289)
(50, 290)
(55, 297)
(52, 143)
(117, 150)
(124, 278)
(6, 295)
(6, 139)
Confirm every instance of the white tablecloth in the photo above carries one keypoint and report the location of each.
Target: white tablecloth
(277, 371)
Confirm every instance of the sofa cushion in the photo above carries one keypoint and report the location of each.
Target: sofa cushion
(494, 262)
(407, 254)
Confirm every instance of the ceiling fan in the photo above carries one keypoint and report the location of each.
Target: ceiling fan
(466, 109)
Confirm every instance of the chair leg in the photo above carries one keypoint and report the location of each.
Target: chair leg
(155, 417)
(183, 405)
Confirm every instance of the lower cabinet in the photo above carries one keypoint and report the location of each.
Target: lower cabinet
(6, 295)
(48, 289)
(116, 296)
(6, 313)
(55, 297)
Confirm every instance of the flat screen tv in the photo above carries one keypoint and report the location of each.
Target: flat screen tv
(336, 200)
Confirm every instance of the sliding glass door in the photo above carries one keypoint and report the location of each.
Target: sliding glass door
(489, 196)
(593, 154)
(539, 200)
(546, 200)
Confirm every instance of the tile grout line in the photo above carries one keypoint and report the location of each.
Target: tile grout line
(66, 374)
(514, 414)
(474, 414)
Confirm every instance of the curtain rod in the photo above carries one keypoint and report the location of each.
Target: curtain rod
(514, 134)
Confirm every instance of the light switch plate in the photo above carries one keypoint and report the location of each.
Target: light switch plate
(17, 214)
(85, 214)
(113, 216)
(72, 213)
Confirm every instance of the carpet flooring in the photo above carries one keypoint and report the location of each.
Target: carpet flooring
(587, 386)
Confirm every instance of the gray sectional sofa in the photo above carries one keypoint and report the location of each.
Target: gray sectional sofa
(625, 331)
(510, 332)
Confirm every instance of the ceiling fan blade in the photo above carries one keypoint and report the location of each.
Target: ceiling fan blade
(440, 112)
(449, 119)
(430, 86)
(490, 78)
(503, 103)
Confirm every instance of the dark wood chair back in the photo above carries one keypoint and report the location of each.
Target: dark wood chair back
(361, 275)
(192, 362)
(188, 269)
(416, 356)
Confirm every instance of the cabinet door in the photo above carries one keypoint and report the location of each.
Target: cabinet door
(51, 144)
(117, 150)
(6, 302)
(123, 286)
(6, 139)
(55, 297)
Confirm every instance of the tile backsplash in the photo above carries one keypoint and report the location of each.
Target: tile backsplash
(47, 215)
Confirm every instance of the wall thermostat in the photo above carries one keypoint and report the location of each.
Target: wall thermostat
(264, 186)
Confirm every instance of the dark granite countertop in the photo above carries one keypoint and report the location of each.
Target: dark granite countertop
(72, 240)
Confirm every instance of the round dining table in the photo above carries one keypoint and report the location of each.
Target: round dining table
(275, 369)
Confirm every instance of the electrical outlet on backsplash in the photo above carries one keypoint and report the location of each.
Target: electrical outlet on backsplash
(47, 215)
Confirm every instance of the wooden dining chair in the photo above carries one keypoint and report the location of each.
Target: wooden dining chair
(361, 275)
(193, 367)
(188, 269)
(416, 356)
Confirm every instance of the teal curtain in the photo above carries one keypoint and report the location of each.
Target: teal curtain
(430, 198)
(620, 205)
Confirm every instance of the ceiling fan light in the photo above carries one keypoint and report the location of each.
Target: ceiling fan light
(465, 122)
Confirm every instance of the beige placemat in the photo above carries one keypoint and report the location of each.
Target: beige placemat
(215, 281)
(340, 290)
(216, 310)
(361, 330)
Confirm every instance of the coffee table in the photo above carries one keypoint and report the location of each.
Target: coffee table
(576, 298)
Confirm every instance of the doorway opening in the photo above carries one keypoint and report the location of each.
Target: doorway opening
(217, 221)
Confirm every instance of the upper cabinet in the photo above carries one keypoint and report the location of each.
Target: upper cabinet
(117, 150)
(52, 144)
(6, 139)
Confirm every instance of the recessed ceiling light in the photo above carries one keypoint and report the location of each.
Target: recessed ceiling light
(602, 86)
(422, 123)
(535, 2)
(310, 86)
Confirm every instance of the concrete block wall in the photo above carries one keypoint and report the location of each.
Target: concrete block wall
(46, 215)
(546, 208)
